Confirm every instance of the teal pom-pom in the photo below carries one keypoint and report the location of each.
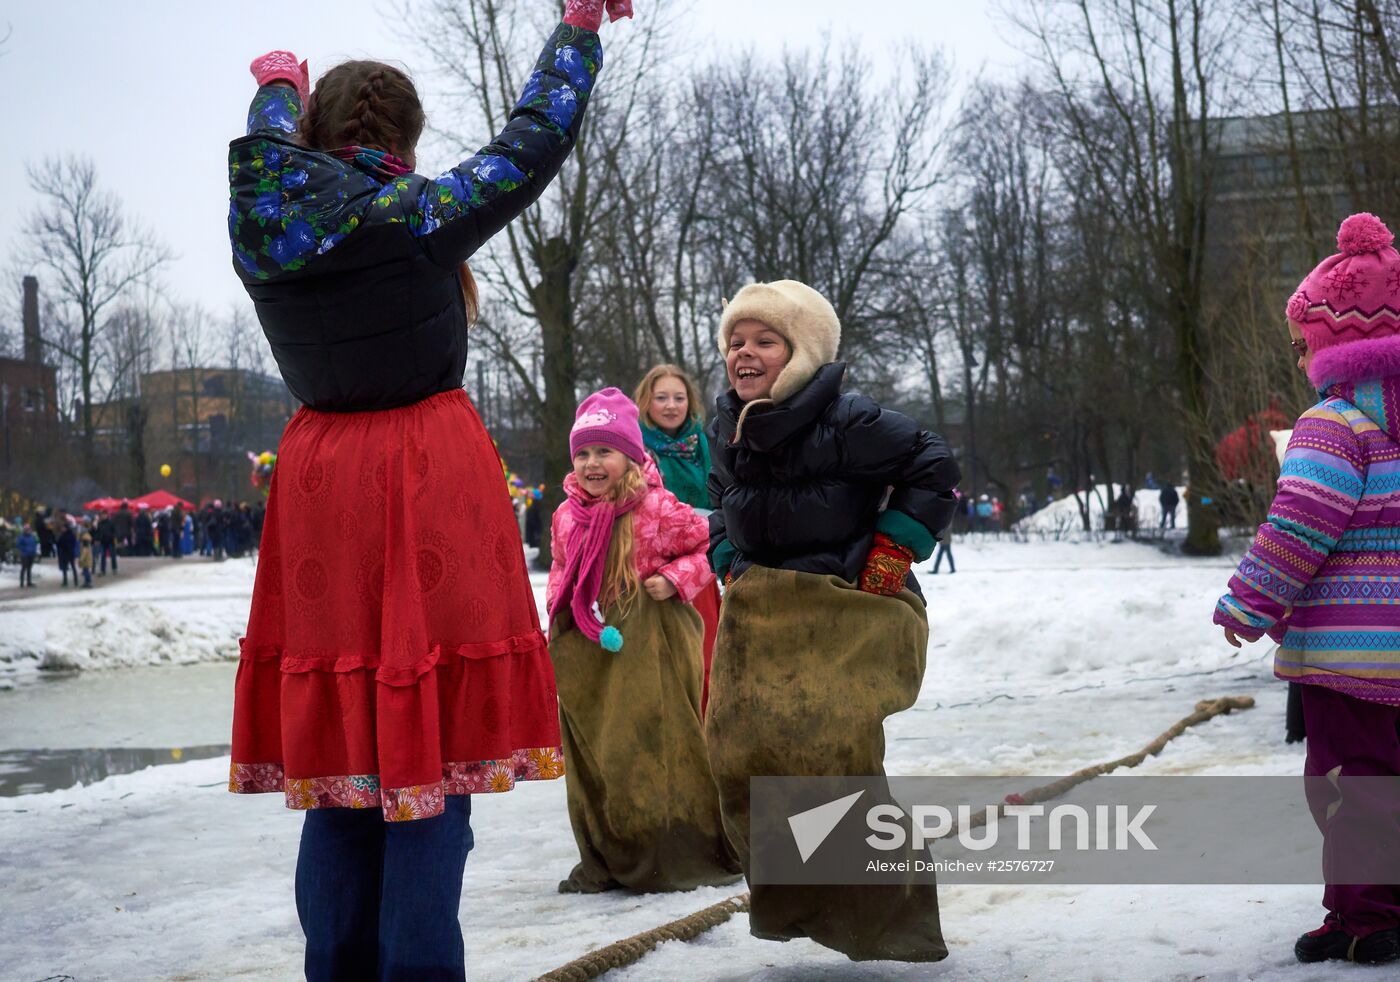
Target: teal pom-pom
(611, 639)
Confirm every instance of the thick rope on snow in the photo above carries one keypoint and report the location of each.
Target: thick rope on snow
(1206, 709)
(622, 953)
(629, 950)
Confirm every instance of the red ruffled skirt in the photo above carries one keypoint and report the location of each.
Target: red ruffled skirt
(394, 654)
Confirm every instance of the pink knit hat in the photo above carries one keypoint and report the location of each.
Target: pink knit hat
(608, 418)
(1348, 308)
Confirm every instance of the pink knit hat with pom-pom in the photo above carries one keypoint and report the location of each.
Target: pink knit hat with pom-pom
(1348, 308)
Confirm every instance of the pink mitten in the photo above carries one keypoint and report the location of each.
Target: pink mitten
(282, 66)
(588, 14)
(584, 14)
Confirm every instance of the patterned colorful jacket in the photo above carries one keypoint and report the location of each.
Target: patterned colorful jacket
(671, 538)
(355, 274)
(1323, 575)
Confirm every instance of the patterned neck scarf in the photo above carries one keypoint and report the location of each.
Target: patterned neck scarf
(683, 459)
(685, 445)
(376, 163)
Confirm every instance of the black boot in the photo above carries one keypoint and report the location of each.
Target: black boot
(1331, 942)
(1295, 728)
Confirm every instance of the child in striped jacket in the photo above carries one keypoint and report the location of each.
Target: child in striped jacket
(1323, 575)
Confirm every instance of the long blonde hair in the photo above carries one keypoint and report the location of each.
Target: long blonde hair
(620, 581)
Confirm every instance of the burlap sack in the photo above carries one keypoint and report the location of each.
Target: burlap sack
(642, 803)
(805, 670)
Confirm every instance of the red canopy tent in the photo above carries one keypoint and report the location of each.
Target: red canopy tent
(157, 500)
(103, 504)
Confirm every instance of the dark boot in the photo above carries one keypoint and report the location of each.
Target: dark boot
(1330, 942)
(1295, 729)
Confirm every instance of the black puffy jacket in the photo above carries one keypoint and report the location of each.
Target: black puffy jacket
(803, 488)
(354, 273)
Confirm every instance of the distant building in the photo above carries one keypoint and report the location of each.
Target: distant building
(200, 421)
(30, 432)
(1258, 217)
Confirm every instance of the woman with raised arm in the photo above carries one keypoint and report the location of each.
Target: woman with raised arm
(394, 663)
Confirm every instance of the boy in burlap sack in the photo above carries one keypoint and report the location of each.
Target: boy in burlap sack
(823, 501)
(626, 645)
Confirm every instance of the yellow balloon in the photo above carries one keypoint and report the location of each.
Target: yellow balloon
(164, 470)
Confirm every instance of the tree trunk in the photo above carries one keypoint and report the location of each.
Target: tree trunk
(1203, 478)
(553, 303)
(969, 428)
(136, 447)
(89, 448)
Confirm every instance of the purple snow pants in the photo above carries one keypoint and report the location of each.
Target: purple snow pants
(1363, 738)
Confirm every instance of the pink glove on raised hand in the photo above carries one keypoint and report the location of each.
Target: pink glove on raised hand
(282, 66)
(588, 14)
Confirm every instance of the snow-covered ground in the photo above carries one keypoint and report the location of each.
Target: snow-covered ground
(1044, 657)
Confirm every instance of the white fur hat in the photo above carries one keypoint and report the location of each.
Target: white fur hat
(801, 315)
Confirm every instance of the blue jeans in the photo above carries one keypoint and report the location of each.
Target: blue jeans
(378, 900)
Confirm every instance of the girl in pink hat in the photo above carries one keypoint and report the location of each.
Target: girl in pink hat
(629, 558)
(1323, 575)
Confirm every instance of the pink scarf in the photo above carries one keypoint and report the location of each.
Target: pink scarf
(587, 555)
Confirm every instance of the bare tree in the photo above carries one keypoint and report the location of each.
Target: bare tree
(190, 347)
(131, 338)
(653, 297)
(92, 255)
(1139, 86)
(817, 169)
(483, 50)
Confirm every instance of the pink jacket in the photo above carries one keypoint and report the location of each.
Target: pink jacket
(671, 539)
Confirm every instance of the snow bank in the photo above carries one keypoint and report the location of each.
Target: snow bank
(1063, 517)
(189, 611)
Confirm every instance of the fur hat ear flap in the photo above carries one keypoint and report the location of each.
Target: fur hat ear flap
(804, 318)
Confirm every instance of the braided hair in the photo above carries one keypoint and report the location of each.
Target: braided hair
(366, 104)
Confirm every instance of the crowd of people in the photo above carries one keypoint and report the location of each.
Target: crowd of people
(85, 544)
(985, 513)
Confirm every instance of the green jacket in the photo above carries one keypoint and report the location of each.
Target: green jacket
(683, 459)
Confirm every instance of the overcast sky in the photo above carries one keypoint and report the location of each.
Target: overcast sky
(153, 91)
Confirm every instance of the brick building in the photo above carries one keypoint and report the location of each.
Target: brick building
(30, 433)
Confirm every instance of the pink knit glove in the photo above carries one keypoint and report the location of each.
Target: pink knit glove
(588, 14)
(282, 66)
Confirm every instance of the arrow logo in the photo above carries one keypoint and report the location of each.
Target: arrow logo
(810, 828)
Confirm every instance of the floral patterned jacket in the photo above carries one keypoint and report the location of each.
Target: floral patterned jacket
(355, 278)
(671, 539)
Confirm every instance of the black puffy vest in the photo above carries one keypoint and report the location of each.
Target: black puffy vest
(803, 487)
(372, 324)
